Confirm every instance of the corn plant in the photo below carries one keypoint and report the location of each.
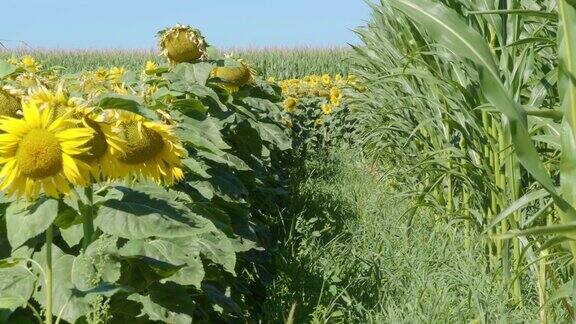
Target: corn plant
(476, 99)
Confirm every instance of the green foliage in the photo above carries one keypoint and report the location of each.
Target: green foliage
(180, 254)
(315, 130)
(345, 258)
(464, 103)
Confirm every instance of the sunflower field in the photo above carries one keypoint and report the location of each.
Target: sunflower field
(316, 108)
(138, 194)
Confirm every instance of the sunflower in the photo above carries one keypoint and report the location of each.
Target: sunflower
(27, 80)
(152, 150)
(104, 145)
(335, 96)
(232, 78)
(39, 153)
(314, 80)
(327, 109)
(58, 100)
(149, 91)
(326, 80)
(30, 64)
(150, 67)
(115, 74)
(99, 155)
(101, 74)
(182, 44)
(119, 88)
(290, 104)
(91, 84)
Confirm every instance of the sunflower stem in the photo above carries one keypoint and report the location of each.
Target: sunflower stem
(88, 218)
(48, 274)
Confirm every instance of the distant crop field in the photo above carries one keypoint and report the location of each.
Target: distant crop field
(277, 62)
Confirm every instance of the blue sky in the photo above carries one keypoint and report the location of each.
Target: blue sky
(225, 23)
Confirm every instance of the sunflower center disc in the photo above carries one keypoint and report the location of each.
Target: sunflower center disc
(39, 154)
(143, 145)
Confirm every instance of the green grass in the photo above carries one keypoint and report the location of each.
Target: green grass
(281, 63)
(345, 257)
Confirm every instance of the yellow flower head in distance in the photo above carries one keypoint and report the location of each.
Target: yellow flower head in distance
(335, 96)
(290, 104)
(101, 74)
(58, 100)
(327, 109)
(150, 67)
(115, 74)
(30, 64)
(326, 80)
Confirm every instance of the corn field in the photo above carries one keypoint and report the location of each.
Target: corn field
(473, 104)
(280, 63)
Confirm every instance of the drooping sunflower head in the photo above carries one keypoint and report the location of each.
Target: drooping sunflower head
(9, 104)
(104, 145)
(90, 84)
(152, 150)
(40, 154)
(232, 78)
(182, 43)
